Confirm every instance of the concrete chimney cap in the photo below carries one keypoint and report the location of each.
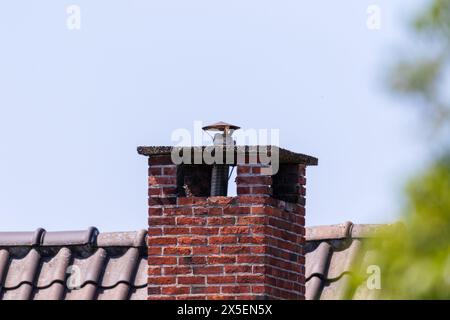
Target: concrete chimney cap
(220, 126)
(285, 156)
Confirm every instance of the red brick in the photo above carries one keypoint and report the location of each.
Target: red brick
(244, 170)
(299, 210)
(206, 250)
(175, 290)
(155, 211)
(192, 240)
(252, 239)
(220, 297)
(176, 230)
(154, 201)
(300, 220)
(208, 270)
(201, 211)
(178, 211)
(204, 230)
(161, 241)
(301, 260)
(192, 297)
(236, 210)
(154, 231)
(160, 221)
(253, 180)
(154, 191)
(235, 289)
(220, 220)
(177, 250)
(154, 271)
(258, 169)
(159, 181)
(161, 280)
(221, 259)
(237, 269)
(205, 290)
(182, 201)
(259, 289)
(152, 290)
(161, 260)
(251, 220)
(191, 280)
(250, 279)
(295, 228)
(154, 251)
(177, 270)
(234, 230)
(222, 240)
(200, 201)
(191, 221)
(258, 249)
(220, 279)
(220, 200)
(215, 211)
(250, 259)
(261, 190)
(256, 229)
(155, 171)
(235, 249)
(254, 200)
(170, 171)
(191, 260)
(168, 191)
(160, 160)
(156, 297)
(246, 297)
(244, 190)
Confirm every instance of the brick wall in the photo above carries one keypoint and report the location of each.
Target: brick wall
(244, 247)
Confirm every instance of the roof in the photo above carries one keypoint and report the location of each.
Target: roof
(285, 156)
(332, 256)
(80, 265)
(112, 266)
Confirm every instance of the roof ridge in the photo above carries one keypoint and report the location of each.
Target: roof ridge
(135, 239)
(91, 236)
(334, 231)
(347, 230)
(21, 238)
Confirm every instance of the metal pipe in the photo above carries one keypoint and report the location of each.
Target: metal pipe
(219, 180)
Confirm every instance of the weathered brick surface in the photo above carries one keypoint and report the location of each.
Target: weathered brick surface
(244, 247)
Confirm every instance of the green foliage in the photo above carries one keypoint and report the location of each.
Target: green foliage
(426, 73)
(414, 259)
(435, 20)
(417, 76)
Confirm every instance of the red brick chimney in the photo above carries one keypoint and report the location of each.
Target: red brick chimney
(245, 247)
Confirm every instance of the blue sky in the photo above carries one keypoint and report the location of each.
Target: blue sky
(75, 104)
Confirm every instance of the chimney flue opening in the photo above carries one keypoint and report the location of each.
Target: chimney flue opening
(220, 172)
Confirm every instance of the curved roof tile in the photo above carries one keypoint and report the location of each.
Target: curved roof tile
(81, 265)
(331, 253)
(70, 238)
(31, 238)
(318, 260)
